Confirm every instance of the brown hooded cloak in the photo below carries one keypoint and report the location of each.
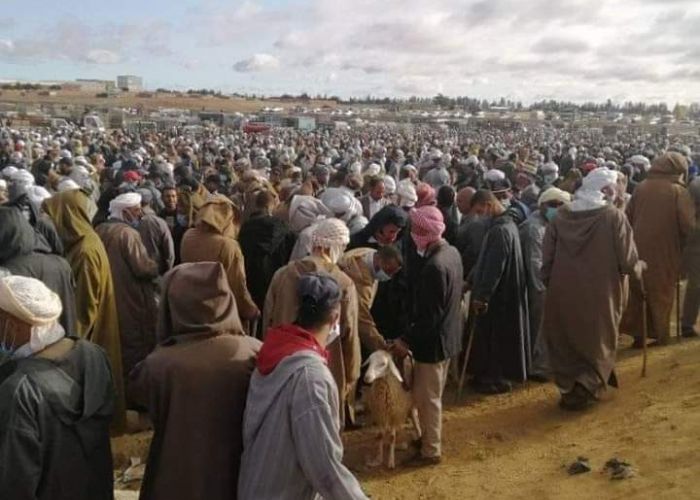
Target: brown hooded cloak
(662, 215)
(194, 385)
(585, 256)
(213, 239)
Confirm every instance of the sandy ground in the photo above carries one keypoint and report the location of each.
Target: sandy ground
(132, 100)
(517, 445)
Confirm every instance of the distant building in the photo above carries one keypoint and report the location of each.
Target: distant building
(130, 83)
(569, 115)
(91, 85)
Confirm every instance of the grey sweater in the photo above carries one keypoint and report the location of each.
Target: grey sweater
(291, 435)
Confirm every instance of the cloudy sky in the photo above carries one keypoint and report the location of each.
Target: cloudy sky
(521, 49)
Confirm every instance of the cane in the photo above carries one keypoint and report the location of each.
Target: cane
(467, 354)
(645, 332)
(678, 310)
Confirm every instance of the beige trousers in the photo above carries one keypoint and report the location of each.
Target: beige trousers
(428, 385)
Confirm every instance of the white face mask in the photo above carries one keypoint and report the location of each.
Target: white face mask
(333, 334)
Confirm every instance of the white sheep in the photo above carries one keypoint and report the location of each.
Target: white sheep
(388, 402)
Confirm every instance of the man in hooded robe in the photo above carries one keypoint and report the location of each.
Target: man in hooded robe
(329, 240)
(25, 252)
(56, 402)
(213, 239)
(662, 214)
(266, 243)
(133, 274)
(96, 307)
(198, 373)
(588, 244)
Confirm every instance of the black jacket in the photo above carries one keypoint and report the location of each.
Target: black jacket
(436, 331)
(54, 426)
(25, 252)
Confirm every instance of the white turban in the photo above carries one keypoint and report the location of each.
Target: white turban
(305, 210)
(123, 201)
(29, 300)
(343, 205)
(22, 177)
(495, 175)
(599, 178)
(80, 175)
(330, 233)
(7, 172)
(355, 168)
(32, 302)
(67, 184)
(406, 192)
(389, 185)
(373, 170)
(37, 195)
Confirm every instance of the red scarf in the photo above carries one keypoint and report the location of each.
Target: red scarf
(284, 341)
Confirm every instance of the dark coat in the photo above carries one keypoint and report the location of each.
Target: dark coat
(25, 252)
(436, 330)
(470, 236)
(54, 426)
(266, 243)
(502, 344)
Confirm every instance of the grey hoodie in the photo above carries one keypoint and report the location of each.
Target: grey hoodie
(291, 435)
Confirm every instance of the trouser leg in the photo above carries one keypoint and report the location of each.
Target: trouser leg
(428, 386)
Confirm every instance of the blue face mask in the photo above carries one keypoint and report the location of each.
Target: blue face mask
(551, 213)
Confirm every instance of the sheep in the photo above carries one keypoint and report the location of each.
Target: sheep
(388, 402)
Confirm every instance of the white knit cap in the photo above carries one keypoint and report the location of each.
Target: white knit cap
(554, 194)
(29, 300)
(330, 233)
(126, 200)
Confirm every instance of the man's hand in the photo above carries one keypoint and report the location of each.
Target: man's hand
(399, 349)
(479, 307)
(639, 269)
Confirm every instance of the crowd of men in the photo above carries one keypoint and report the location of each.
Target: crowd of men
(230, 285)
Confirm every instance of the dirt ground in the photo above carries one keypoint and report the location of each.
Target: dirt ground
(517, 445)
(132, 100)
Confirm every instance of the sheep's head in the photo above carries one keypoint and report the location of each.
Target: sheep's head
(379, 365)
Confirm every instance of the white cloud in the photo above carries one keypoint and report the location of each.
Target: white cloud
(257, 63)
(102, 56)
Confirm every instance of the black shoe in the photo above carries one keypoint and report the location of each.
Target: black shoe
(417, 444)
(489, 388)
(420, 461)
(690, 333)
(578, 399)
(638, 343)
(539, 378)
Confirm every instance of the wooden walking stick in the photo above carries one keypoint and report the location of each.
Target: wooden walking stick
(678, 310)
(645, 333)
(467, 354)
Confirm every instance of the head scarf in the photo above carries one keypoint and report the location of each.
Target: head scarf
(425, 194)
(427, 226)
(197, 299)
(121, 202)
(305, 210)
(589, 195)
(343, 205)
(406, 192)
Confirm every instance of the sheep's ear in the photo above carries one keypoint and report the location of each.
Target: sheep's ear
(395, 370)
